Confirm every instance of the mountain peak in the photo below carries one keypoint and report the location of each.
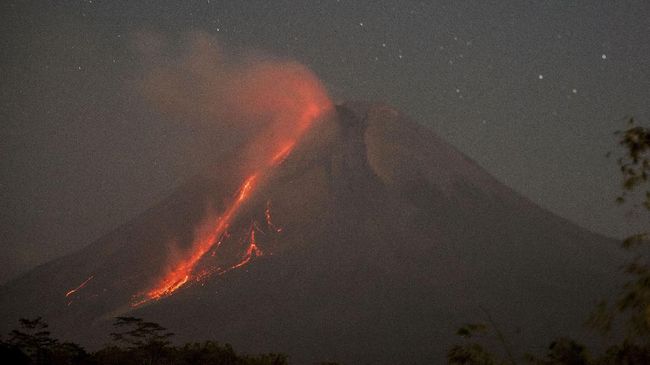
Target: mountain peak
(373, 231)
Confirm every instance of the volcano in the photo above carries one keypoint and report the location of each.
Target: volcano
(371, 241)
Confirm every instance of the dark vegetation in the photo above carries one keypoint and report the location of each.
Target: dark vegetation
(135, 341)
(624, 322)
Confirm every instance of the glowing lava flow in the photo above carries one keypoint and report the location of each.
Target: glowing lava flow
(181, 274)
(72, 291)
(252, 250)
(283, 152)
(182, 271)
(269, 221)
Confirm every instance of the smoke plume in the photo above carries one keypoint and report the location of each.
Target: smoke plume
(238, 97)
(265, 104)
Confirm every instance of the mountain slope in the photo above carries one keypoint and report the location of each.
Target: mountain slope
(376, 241)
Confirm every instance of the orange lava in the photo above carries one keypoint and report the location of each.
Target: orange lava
(269, 221)
(283, 153)
(251, 251)
(72, 291)
(183, 270)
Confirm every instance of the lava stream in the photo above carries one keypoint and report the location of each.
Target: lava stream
(283, 152)
(269, 221)
(72, 291)
(252, 250)
(182, 271)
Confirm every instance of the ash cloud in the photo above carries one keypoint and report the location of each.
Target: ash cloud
(238, 99)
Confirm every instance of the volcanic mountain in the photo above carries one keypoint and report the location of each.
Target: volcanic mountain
(370, 242)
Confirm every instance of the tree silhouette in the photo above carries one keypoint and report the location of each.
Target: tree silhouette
(138, 333)
(136, 342)
(33, 339)
(149, 339)
(631, 308)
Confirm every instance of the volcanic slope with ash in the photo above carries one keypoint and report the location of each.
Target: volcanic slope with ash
(370, 242)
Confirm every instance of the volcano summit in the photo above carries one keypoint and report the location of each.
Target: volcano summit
(370, 240)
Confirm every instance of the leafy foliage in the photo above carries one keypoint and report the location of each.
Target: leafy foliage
(138, 333)
(632, 305)
(635, 163)
(563, 351)
(33, 337)
(472, 351)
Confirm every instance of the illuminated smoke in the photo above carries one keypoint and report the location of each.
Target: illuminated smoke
(268, 102)
(232, 96)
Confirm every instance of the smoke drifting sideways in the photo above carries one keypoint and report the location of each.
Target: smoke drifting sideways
(242, 99)
(267, 103)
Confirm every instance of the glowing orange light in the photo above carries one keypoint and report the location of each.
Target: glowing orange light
(181, 274)
(72, 291)
(251, 251)
(269, 221)
(307, 104)
(283, 153)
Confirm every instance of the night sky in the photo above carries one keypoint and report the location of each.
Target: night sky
(532, 91)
